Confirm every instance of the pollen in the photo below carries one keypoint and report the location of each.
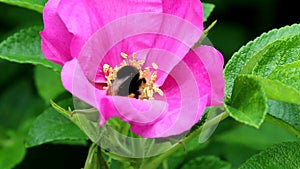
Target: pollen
(144, 84)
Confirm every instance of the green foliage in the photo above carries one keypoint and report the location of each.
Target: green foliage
(25, 47)
(254, 51)
(272, 61)
(52, 126)
(279, 91)
(289, 113)
(248, 102)
(36, 5)
(12, 150)
(178, 158)
(19, 104)
(285, 155)
(48, 83)
(257, 139)
(210, 162)
(207, 10)
(95, 159)
(266, 68)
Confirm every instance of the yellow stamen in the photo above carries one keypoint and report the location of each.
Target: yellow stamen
(124, 55)
(106, 68)
(147, 89)
(134, 55)
(154, 65)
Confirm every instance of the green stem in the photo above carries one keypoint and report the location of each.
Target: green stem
(283, 125)
(95, 159)
(165, 164)
(67, 113)
(154, 162)
(204, 35)
(61, 110)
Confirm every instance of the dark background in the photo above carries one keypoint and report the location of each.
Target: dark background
(239, 21)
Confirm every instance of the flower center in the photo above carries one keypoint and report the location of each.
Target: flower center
(129, 79)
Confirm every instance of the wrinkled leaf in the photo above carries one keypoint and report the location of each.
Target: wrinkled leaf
(277, 54)
(262, 46)
(52, 126)
(36, 5)
(25, 47)
(279, 91)
(277, 67)
(288, 74)
(290, 113)
(249, 102)
(285, 155)
(272, 60)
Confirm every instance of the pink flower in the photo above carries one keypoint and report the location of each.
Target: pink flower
(95, 40)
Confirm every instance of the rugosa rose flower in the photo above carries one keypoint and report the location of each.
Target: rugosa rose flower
(133, 60)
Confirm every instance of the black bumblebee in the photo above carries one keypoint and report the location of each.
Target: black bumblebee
(127, 82)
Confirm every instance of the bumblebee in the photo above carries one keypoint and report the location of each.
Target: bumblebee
(127, 82)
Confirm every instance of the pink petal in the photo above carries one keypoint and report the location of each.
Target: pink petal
(85, 17)
(196, 82)
(133, 111)
(105, 46)
(206, 64)
(190, 10)
(185, 105)
(68, 24)
(55, 36)
(130, 110)
(75, 82)
(176, 112)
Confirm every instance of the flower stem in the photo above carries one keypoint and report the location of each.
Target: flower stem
(95, 159)
(154, 162)
(204, 35)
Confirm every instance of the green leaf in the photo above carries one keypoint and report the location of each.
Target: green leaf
(277, 54)
(12, 150)
(36, 5)
(279, 110)
(289, 75)
(52, 126)
(273, 60)
(19, 104)
(286, 50)
(11, 70)
(285, 155)
(207, 10)
(48, 83)
(25, 47)
(187, 150)
(249, 102)
(210, 162)
(277, 90)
